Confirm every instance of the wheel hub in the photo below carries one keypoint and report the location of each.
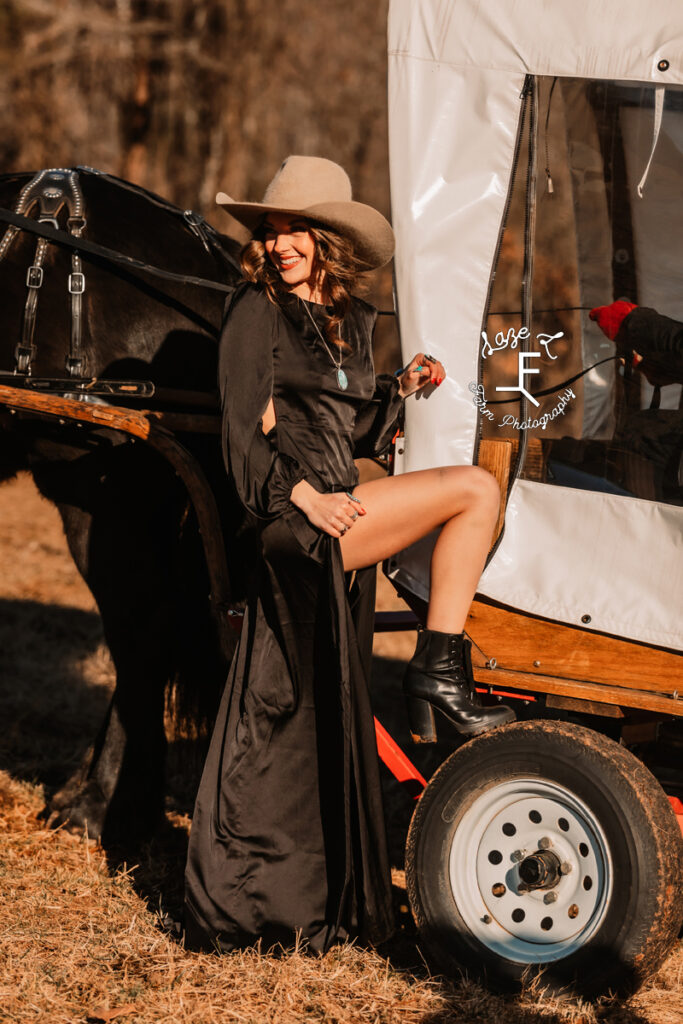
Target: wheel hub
(530, 870)
(541, 870)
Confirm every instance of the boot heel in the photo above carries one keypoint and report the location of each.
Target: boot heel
(421, 719)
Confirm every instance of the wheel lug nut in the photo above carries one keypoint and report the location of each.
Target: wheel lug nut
(487, 919)
(545, 843)
(550, 897)
(519, 855)
(565, 867)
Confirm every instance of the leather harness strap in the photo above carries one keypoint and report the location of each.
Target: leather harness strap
(26, 350)
(75, 361)
(51, 190)
(102, 252)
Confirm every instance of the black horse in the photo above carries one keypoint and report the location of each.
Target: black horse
(126, 514)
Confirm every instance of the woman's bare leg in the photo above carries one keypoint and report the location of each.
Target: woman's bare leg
(402, 509)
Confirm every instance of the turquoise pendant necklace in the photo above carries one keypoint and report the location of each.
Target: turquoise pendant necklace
(342, 379)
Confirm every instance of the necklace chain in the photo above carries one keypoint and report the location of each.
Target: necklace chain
(320, 335)
(342, 379)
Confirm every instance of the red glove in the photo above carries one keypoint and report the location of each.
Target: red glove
(610, 318)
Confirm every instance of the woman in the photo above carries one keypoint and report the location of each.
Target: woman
(288, 832)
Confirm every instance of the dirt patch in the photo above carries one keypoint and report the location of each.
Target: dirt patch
(85, 937)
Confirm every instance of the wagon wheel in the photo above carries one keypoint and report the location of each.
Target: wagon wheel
(546, 847)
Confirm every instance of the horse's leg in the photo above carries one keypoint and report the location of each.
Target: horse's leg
(123, 547)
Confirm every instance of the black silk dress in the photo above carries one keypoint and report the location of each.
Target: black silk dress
(288, 832)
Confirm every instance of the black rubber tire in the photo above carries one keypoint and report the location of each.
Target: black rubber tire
(645, 910)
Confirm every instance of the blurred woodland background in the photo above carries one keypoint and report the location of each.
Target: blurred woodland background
(189, 96)
(186, 97)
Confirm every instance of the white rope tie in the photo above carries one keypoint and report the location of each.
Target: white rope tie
(657, 124)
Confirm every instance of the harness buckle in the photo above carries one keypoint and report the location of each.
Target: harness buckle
(49, 220)
(76, 283)
(76, 225)
(34, 276)
(23, 354)
(197, 226)
(74, 366)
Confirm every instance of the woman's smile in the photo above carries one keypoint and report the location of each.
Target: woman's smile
(290, 247)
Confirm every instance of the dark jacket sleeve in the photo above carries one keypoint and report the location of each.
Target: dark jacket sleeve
(657, 338)
(379, 419)
(263, 476)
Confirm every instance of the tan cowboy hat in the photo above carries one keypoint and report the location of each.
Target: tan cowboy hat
(320, 190)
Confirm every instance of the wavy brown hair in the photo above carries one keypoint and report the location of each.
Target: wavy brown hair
(338, 270)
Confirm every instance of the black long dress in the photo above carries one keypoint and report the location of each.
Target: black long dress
(288, 831)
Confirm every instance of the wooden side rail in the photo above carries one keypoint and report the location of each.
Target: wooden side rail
(521, 643)
(619, 696)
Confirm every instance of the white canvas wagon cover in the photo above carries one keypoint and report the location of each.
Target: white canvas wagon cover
(457, 69)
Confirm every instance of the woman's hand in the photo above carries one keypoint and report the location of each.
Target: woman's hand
(333, 513)
(420, 371)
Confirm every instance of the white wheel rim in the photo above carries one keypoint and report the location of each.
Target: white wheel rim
(538, 926)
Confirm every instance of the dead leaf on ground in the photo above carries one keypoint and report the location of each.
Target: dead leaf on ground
(103, 1015)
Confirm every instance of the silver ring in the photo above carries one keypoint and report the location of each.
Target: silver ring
(432, 359)
(343, 531)
(354, 516)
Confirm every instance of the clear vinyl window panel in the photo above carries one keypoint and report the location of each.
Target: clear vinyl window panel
(597, 413)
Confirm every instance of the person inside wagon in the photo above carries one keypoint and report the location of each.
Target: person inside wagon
(651, 344)
(288, 833)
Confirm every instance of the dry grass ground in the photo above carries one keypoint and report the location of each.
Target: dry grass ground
(82, 935)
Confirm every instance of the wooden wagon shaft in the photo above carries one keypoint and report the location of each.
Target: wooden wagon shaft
(101, 414)
(136, 422)
(154, 429)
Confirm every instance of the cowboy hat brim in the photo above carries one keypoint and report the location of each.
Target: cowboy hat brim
(370, 232)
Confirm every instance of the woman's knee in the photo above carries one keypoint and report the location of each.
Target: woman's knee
(474, 486)
(488, 488)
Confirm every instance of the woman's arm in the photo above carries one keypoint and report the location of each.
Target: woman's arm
(380, 418)
(263, 476)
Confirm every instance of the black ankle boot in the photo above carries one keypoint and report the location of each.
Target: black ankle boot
(439, 675)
